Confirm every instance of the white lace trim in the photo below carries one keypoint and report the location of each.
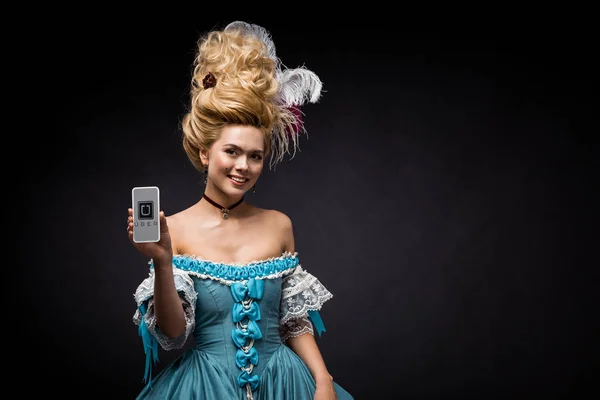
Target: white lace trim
(302, 292)
(296, 327)
(167, 343)
(183, 283)
(229, 282)
(145, 292)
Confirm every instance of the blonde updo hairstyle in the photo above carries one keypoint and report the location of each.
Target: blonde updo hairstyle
(244, 93)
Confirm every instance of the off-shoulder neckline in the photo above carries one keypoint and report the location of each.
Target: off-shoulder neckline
(193, 257)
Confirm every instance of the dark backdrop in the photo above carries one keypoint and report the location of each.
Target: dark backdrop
(445, 195)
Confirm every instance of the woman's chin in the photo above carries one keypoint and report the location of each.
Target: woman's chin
(235, 191)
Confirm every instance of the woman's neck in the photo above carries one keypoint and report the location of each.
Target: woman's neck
(221, 203)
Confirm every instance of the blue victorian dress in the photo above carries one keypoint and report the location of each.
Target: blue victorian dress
(240, 316)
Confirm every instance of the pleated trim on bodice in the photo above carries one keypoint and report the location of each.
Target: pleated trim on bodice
(246, 282)
(228, 273)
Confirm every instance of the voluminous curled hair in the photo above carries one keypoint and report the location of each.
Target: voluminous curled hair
(248, 87)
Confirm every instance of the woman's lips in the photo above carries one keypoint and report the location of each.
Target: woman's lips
(239, 180)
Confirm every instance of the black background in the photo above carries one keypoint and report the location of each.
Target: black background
(446, 195)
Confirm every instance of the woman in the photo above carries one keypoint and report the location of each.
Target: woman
(226, 271)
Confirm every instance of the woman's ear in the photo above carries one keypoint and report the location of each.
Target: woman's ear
(204, 156)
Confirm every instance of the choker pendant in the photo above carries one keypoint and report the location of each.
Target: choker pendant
(224, 211)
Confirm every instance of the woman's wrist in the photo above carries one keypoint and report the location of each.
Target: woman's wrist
(163, 262)
(324, 380)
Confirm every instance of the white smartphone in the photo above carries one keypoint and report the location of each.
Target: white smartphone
(145, 202)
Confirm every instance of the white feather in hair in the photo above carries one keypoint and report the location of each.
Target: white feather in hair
(259, 32)
(297, 86)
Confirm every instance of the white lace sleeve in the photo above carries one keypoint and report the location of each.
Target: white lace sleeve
(301, 293)
(144, 295)
(295, 327)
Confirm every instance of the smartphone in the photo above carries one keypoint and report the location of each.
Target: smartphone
(145, 202)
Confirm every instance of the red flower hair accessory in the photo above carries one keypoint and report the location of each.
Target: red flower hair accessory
(209, 81)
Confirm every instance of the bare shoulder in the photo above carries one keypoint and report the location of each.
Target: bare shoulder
(175, 221)
(282, 226)
(176, 224)
(274, 218)
(281, 219)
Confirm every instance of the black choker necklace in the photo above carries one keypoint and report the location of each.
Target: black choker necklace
(224, 211)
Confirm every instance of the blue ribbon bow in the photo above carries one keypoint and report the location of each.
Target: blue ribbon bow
(252, 332)
(244, 377)
(239, 312)
(254, 289)
(242, 358)
(317, 322)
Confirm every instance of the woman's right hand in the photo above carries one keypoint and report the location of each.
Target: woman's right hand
(160, 250)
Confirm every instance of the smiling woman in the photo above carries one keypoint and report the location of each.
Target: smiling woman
(226, 272)
(236, 162)
(238, 153)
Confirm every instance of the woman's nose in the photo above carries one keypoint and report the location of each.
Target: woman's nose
(242, 163)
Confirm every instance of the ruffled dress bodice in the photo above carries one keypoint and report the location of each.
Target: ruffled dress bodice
(239, 317)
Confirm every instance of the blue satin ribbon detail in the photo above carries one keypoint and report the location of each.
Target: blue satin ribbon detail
(252, 332)
(254, 289)
(150, 345)
(245, 377)
(235, 273)
(317, 322)
(242, 358)
(239, 312)
(251, 291)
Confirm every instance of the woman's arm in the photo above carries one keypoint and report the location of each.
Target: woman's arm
(307, 349)
(168, 307)
(305, 346)
(170, 315)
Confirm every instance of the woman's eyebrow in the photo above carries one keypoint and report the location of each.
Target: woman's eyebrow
(239, 148)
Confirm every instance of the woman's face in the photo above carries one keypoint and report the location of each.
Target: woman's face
(235, 160)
